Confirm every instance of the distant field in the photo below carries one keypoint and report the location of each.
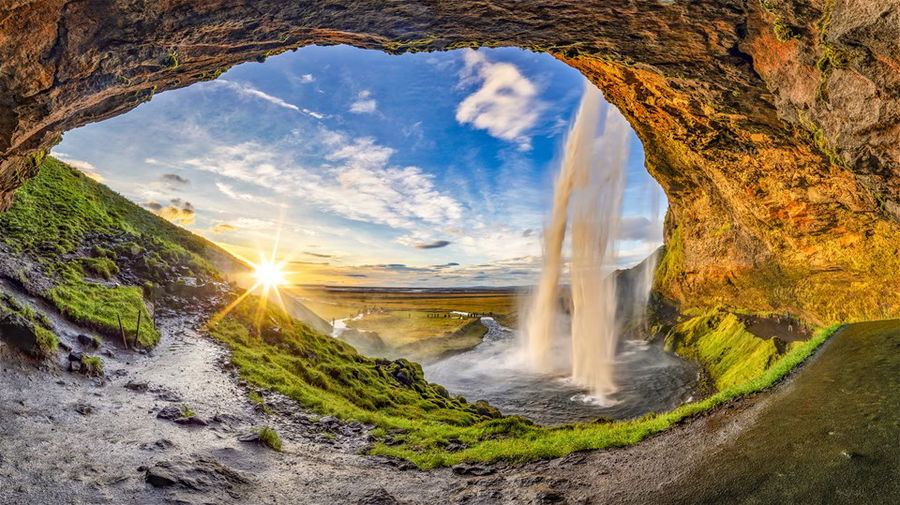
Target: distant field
(418, 325)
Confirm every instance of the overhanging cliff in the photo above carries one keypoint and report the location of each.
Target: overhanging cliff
(772, 125)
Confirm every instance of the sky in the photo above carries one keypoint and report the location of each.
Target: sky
(428, 169)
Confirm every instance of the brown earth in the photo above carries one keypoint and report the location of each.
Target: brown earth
(771, 125)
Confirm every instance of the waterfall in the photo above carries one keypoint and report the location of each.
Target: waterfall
(594, 192)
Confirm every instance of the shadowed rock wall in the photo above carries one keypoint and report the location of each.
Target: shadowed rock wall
(772, 125)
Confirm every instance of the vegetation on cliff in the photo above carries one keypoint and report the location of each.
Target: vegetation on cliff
(72, 237)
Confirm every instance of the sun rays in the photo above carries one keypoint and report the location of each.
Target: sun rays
(269, 274)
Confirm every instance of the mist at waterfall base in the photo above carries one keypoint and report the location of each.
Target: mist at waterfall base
(568, 362)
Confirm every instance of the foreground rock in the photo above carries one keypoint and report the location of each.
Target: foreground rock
(197, 475)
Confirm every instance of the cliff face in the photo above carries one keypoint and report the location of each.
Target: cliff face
(773, 125)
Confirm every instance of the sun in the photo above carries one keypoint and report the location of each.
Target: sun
(269, 274)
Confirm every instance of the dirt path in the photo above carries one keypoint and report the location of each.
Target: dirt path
(69, 439)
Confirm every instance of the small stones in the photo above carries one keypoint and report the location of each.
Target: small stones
(138, 386)
(249, 437)
(330, 423)
(83, 409)
(168, 396)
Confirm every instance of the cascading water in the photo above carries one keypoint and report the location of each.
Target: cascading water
(595, 195)
(624, 379)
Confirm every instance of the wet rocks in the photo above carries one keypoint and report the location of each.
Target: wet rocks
(550, 498)
(168, 396)
(249, 438)
(75, 358)
(20, 332)
(191, 421)
(170, 413)
(475, 469)
(330, 423)
(138, 386)
(160, 445)
(197, 475)
(161, 476)
(88, 342)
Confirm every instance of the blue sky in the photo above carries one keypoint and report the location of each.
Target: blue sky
(422, 169)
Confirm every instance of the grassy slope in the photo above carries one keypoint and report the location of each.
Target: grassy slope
(54, 217)
(331, 378)
(720, 342)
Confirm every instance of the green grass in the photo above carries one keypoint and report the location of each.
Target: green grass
(100, 307)
(331, 377)
(93, 365)
(186, 411)
(720, 342)
(102, 267)
(269, 438)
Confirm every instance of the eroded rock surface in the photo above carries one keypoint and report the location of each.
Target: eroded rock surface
(772, 125)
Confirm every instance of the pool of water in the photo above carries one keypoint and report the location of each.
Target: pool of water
(648, 378)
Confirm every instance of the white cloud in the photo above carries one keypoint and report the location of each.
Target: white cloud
(253, 92)
(364, 103)
(505, 105)
(307, 78)
(230, 192)
(357, 182)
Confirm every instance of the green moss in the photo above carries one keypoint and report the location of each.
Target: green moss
(104, 268)
(210, 75)
(269, 437)
(410, 46)
(47, 341)
(171, 59)
(100, 307)
(671, 265)
(784, 31)
(817, 137)
(92, 365)
(720, 342)
(833, 55)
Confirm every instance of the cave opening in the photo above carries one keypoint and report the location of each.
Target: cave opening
(419, 171)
